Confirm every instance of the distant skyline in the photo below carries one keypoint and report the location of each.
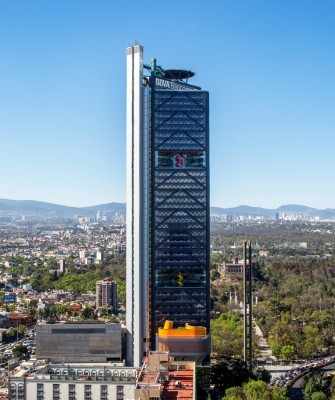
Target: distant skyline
(269, 68)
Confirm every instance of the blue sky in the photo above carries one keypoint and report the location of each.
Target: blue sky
(268, 65)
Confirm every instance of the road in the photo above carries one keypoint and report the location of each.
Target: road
(295, 392)
(264, 348)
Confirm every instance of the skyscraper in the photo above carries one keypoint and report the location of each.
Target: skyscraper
(167, 202)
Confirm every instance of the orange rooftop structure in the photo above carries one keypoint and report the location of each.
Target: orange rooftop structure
(187, 343)
(162, 378)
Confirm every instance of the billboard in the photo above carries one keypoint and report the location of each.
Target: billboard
(10, 298)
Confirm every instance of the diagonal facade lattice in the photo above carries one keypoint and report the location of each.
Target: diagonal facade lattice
(180, 199)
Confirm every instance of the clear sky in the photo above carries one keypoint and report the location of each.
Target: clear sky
(268, 65)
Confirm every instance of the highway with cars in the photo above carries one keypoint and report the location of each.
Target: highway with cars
(295, 391)
(295, 379)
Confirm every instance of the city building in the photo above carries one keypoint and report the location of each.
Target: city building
(62, 266)
(79, 342)
(236, 267)
(15, 319)
(167, 203)
(164, 378)
(73, 381)
(106, 293)
(99, 256)
(161, 377)
(82, 254)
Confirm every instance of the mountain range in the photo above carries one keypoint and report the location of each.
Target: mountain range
(289, 209)
(44, 209)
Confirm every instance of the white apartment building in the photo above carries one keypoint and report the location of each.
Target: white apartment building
(103, 381)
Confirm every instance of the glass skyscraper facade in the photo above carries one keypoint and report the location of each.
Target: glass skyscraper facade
(167, 203)
(179, 207)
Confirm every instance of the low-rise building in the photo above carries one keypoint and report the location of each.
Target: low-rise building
(15, 319)
(74, 381)
(163, 378)
(236, 267)
(79, 342)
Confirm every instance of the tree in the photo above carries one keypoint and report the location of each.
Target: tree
(59, 309)
(276, 349)
(311, 387)
(49, 313)
(287, 352)
(280, 336)
(121, 291)
(32, 307)
(103, 312)
(2, 296)
(11, 334)
(113, 318)
(332, 386)
(279, 393)
(224, 375)
(54, 276)
(256, 390)
(227, 335)
(88, 313)
(19, 350)
(21, 331)
(319, 396)
(234, 393)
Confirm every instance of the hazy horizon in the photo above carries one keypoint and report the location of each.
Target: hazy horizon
(211, 205)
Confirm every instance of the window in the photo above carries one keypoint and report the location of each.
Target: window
(88, 392)
(40, 391)
(55, 391)
(78, 330)
(12, 390)
(72, 392)
(103, 392)
(119, 393)
(21, 390)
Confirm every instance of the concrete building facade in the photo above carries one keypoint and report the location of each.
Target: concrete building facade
(79, 342)
(73, 382)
